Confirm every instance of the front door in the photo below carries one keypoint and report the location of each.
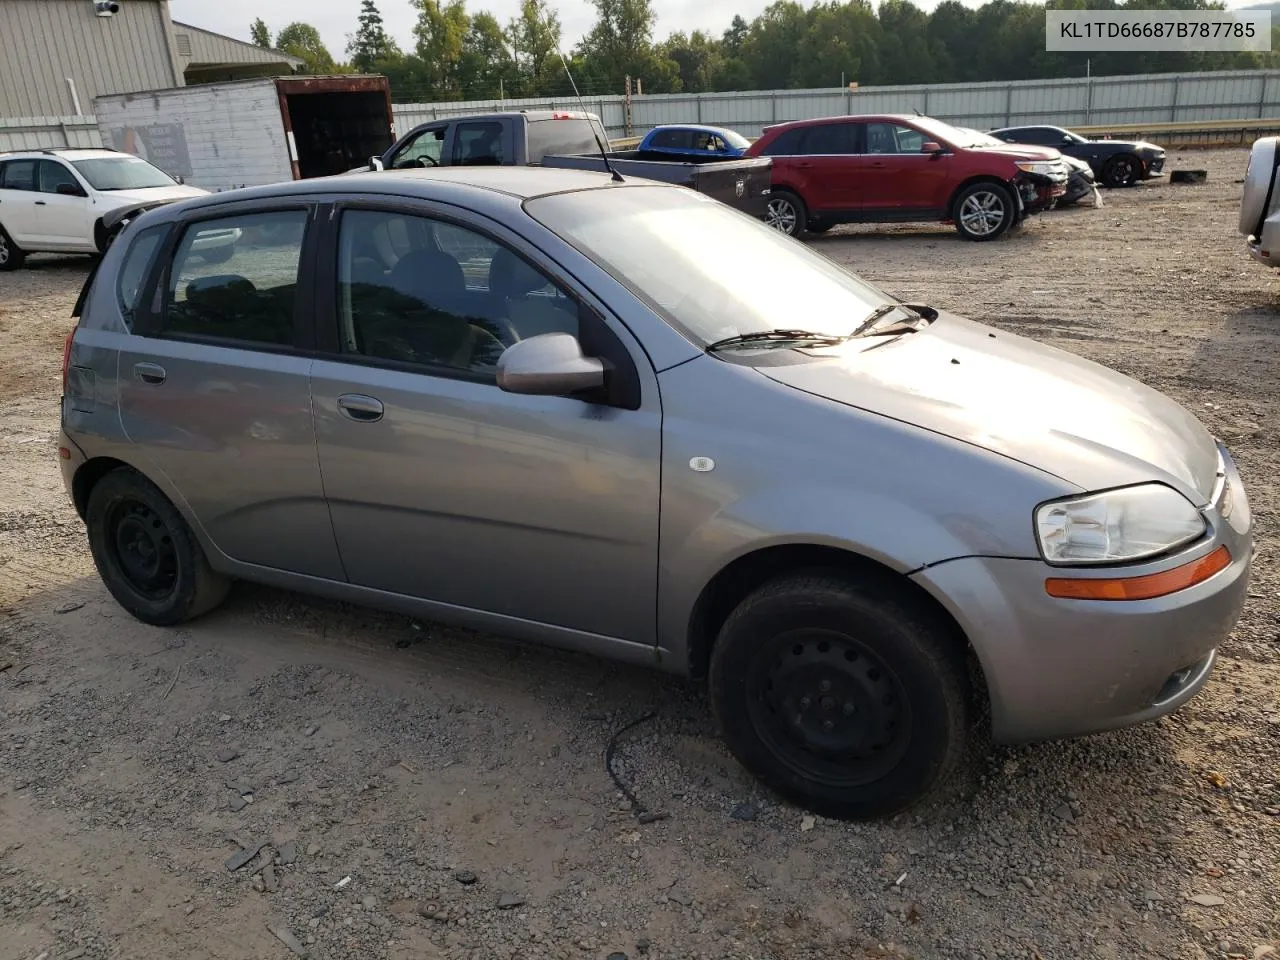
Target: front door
(213, 390)
(446, 488)
(424, 149)
(898, 180)
(65, 219)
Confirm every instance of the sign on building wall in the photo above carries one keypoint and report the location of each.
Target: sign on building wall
(162, 144)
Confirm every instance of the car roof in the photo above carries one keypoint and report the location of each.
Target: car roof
(843, 118)
(700, 127)
(513, 182)
(503, 114)
(65, 153)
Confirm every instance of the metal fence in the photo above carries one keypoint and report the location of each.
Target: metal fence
(1076, 101)
(32, 133)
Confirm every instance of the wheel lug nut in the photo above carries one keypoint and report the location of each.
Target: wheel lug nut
(828, 725)
(825, 686)
(805, 703)
(848, 709)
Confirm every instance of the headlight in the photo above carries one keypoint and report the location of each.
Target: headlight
(1045, 168)
(1117, 526)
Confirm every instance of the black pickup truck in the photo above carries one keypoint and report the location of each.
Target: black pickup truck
(556, 138)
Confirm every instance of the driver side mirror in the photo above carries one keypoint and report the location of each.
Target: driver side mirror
(69, 190)
(931, 146)
(550, 364)
(376, 165)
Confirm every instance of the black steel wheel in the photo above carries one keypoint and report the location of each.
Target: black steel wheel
(849, 697)
(146, 554)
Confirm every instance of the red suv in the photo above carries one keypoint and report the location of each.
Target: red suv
(883, 169)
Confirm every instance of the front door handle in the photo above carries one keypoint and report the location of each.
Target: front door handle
(878, 163)
(356, 406)
(40, 203)
(149, 372)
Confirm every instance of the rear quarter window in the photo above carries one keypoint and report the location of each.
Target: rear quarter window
(135, 267)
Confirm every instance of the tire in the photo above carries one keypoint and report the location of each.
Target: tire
(146, 554)
(892, 719)
(983, 211)
(218, 254)
(786, 213)
(11, 255)
(1121, 171)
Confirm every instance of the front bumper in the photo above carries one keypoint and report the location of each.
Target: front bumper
(1040, 192)
(1058, 668)
(1153, 166)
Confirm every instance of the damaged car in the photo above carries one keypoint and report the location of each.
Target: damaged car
(900, 169)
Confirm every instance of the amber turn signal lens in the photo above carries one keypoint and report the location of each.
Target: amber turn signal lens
(1141, 588)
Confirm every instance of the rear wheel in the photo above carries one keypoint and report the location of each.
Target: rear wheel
(1121, 171)
(983, 211)
(146, 554)
(11, 255)
(785, 212)
(844, 697)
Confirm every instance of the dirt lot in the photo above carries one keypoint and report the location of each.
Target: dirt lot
(442, 772)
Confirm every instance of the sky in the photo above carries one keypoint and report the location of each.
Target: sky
(336, 19)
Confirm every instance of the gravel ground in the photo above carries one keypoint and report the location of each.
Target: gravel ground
(402, 790)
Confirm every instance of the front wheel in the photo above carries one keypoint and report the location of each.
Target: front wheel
(1121, 171)
(983, 211)
(785, 212)
(843, 696)
(146, 554)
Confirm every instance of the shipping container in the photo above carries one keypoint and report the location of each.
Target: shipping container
(220, 136)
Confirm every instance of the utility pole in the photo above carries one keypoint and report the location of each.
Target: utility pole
(626, 107)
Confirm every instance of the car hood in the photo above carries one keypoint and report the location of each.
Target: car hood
(1079, 166)
(1135, 146)
(124, 198)
(1082, 422)
(1019, 151)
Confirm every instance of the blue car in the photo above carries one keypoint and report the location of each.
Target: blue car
(692, 142)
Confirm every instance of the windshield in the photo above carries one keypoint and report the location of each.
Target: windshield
(122, 173)
(707, 269)
(979, 139)
(956, 136)
(735, 139)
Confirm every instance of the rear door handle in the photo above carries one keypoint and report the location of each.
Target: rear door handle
(40, 203)
(878, 163)
(356, 406)
(804, 166)
(149, 372)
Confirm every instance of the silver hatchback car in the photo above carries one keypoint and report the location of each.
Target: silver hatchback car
(627, 419)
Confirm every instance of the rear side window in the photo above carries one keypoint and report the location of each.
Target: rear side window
(235, 278)
(20, 175)
(831, 138)
(134, 268)
(788, 143)
(677, 139)
(556, 138)
(478, 144)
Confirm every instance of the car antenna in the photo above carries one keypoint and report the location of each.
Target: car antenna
(608, 165)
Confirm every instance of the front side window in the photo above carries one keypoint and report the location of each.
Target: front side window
(706, 269)
(122, 173)
(893, 138)
(236, 278)
(20, 175)
(478, 144)
(54, 175)
(425, 150)
(435, 294)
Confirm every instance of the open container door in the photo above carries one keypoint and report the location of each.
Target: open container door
(334, 124)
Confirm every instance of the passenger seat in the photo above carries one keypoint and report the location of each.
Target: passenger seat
(514, 280)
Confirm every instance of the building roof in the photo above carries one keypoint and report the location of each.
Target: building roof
(199, 46)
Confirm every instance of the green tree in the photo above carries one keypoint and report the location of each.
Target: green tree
(534, 38)
(486, 64)
(259, 33)
(371, 44)
(302, 40)
(698, 57)
(621, 44)
(441, 34)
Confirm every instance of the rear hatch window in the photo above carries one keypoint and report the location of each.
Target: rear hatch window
(560, 138)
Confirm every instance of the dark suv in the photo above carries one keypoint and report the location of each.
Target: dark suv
(882, 169)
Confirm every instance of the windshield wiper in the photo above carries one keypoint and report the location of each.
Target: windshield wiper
(915, 314)
(764, 336)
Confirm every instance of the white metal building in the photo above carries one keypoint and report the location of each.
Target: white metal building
(57, 55)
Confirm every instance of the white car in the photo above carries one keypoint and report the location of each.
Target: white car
(53, 201)
(1260, 202)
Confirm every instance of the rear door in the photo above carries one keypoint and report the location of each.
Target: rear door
(214, 386)
(66, 219)
(829, 167)
(481, 143)
(897, 180)
(18, 202)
